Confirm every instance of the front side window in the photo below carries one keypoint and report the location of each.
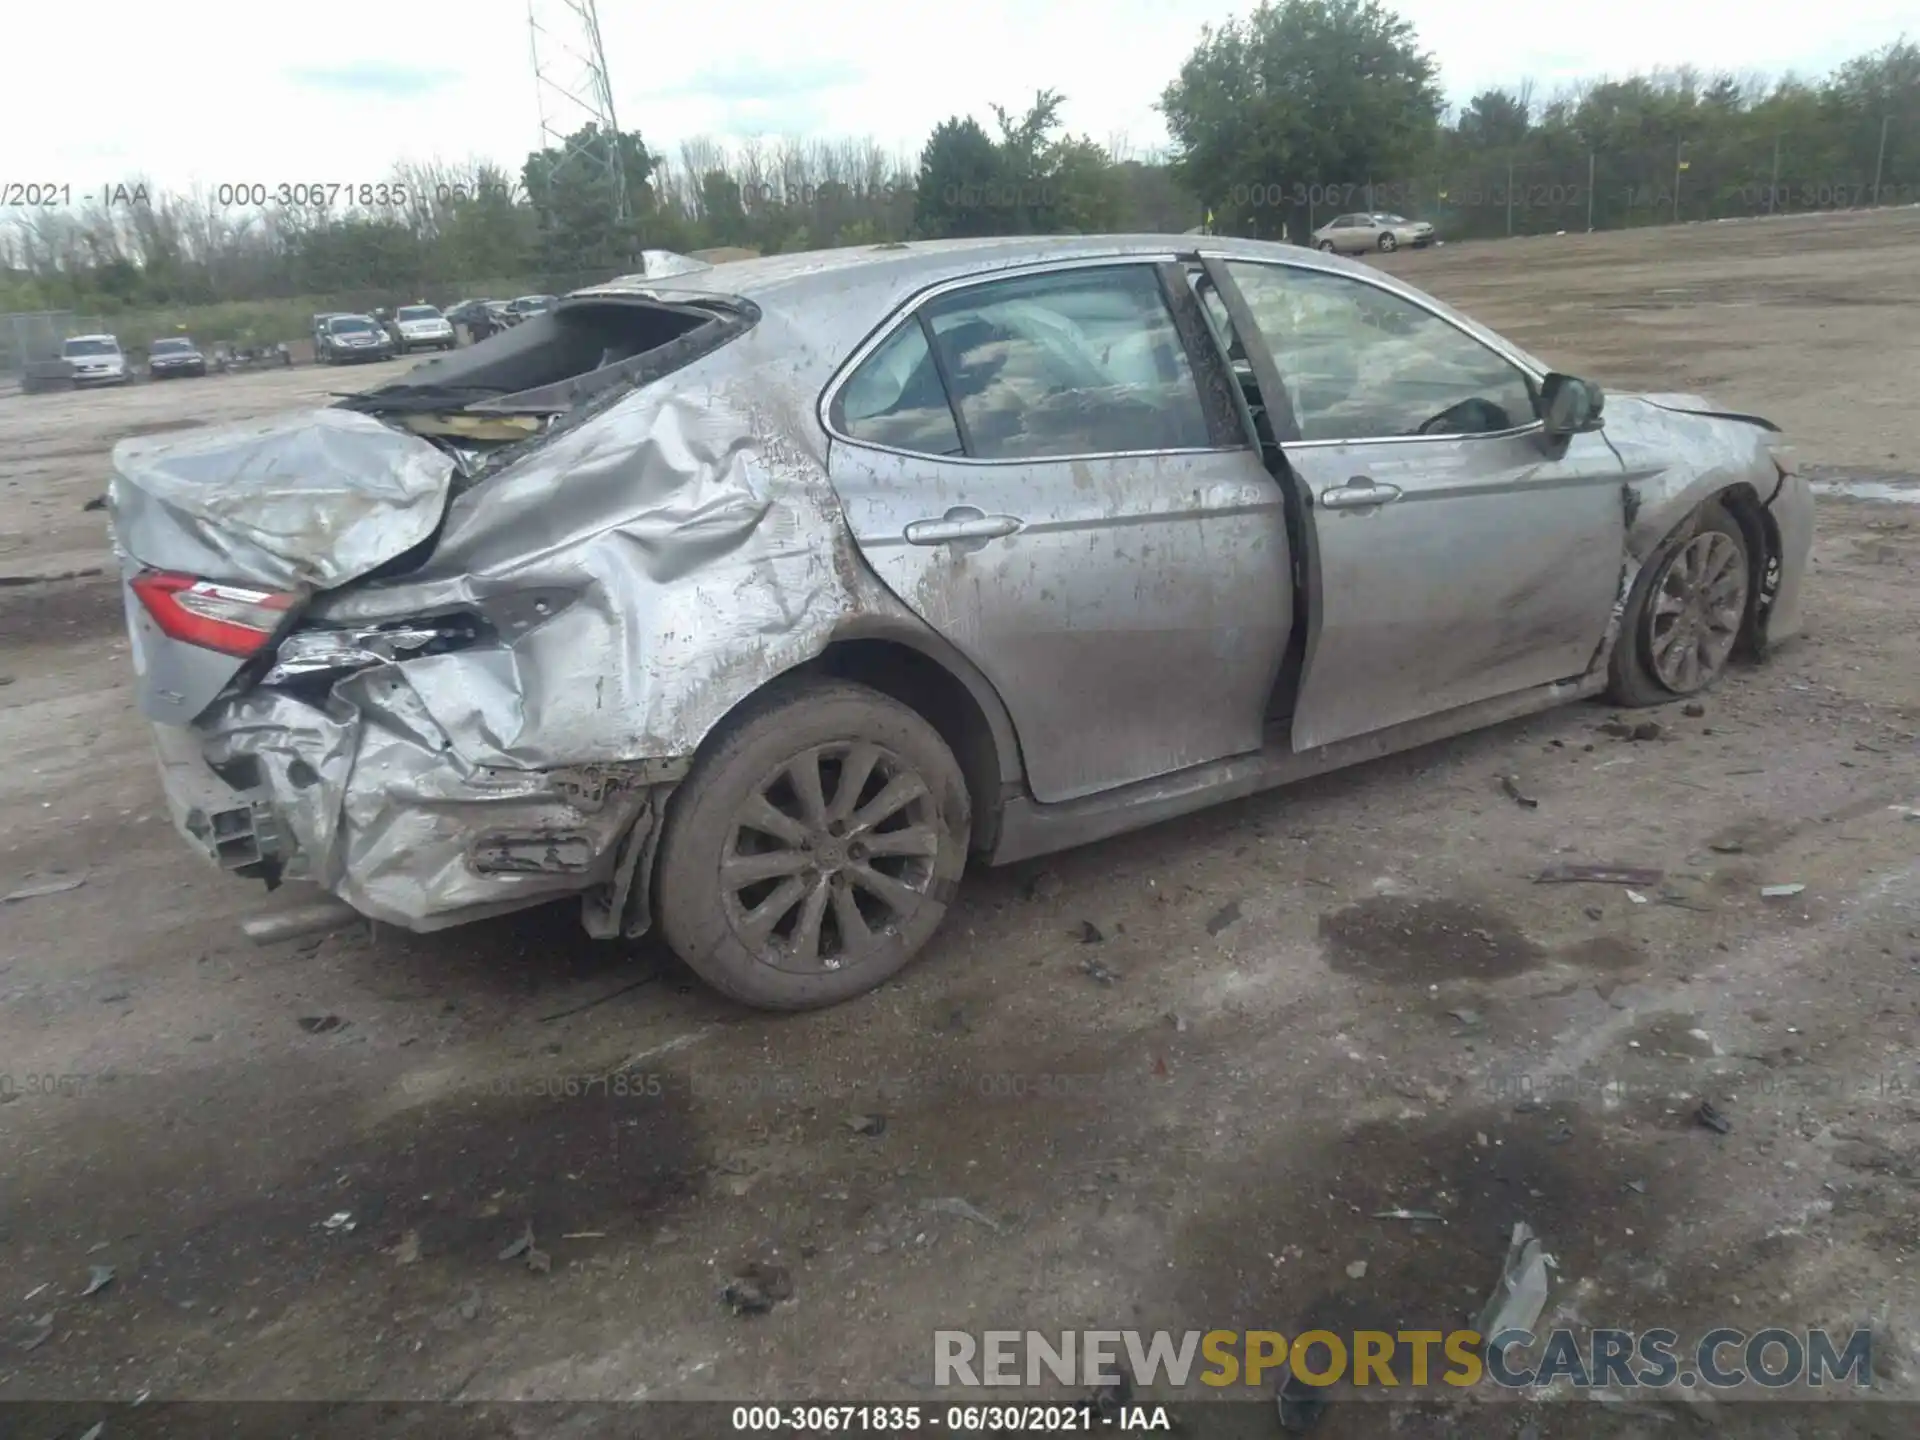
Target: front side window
(1361, 363)
(1081, 362)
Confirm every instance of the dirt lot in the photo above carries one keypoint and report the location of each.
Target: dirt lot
(1330, 1001)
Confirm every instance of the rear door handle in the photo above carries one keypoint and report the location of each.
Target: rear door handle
(1358, 493)
(962, 523)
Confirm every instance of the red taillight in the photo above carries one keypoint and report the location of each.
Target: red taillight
(229, 618)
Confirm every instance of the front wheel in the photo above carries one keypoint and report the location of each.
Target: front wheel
(1684, 615)
(1326, 247)
(812, 851)
(1387, 243)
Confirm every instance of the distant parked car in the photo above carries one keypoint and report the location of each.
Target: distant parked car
(520, 309)
(465, 312)
(1357, 234)
(351, 338)
(423, 327)
(175, 355)
(96, 360)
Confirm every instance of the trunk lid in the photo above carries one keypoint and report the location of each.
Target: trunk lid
(280, 509)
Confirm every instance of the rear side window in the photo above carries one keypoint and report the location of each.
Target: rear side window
(1083, 362)
(895, 398)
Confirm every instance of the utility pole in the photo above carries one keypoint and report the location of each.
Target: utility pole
(1773, 190)
(1679, 164)
(1880, 159)
(1509, 197)
(1589, 192)
(572, 91)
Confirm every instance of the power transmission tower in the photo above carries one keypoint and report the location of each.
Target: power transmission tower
(570, 82)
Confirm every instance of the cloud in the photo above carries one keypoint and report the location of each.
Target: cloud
(762, 84)
(378, 79)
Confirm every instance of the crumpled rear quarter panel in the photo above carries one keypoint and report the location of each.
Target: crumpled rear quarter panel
(704, 553)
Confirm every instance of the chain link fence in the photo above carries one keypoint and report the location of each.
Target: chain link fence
(29, 337)
(1579, 190)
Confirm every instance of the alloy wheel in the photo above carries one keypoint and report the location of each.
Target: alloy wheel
(832, 852)
(1697, 608)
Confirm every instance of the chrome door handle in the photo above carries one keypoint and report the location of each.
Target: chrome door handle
(1358, 493)
(962, 523)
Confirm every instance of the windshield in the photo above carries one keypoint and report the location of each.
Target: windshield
(350, 325)
(533, 302)
(90, 347)
(417, 312)
(171, 347)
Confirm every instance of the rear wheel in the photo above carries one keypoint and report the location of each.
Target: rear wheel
(813, 850)
(1327, 246)
(1684, 615)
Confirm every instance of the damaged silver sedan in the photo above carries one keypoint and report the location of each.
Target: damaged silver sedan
(754, 600)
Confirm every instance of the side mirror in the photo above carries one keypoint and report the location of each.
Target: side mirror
(1569, 405)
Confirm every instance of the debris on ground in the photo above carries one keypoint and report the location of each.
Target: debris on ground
(1577, 874)
(1095, 971)
(960, 1209)
(99, 1277)
(338, 1223)
(407, 1250)
(1300, 1404)
(1711, 1118)
(1511, 785)
(1637, 898)
(1357, 1270)
(1594, 912)
(1693, 710)
(1521, 1293)
(1043, 886)
(1228, 914)
(521, 1245)
(1639, 1187)
(1780, 892)
(1109, 1400)
(1469, 1019)
(1090, 933)
(1726, 847)
(757, 1287)
(321, 1024)
(98, 1428)
(1426, 1215)
(1646, 730)
(49, 887)
(867, 1124)
(1177, 1021)
(41, 1333)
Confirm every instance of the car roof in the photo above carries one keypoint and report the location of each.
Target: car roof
(71, 338)
(887, 275)
(836, 298)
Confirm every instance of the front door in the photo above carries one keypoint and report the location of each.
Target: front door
(1454, 558)
(1030, 466)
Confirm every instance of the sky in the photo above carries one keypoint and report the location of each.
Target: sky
(213, 92)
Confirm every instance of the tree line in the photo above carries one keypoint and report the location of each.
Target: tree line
(1302, 110)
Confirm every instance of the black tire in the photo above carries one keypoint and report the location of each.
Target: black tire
(1387, 243)
(821, 726)
(1326, 246)
(1634, 678)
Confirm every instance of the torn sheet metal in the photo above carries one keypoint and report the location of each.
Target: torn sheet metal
(378, 810)
(640, 572)
(302, 501)
(701, 544)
